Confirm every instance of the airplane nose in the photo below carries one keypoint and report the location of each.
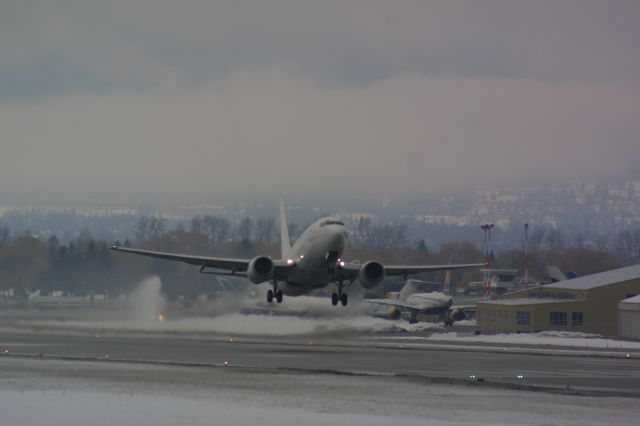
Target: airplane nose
(336, 238)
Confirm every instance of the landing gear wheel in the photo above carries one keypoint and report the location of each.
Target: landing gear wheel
(344, 299)
(270, 296)
(279, 296)
(334, 299)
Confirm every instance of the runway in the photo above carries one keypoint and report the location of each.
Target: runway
(348, 354)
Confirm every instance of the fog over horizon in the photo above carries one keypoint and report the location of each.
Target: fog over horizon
(155, 100)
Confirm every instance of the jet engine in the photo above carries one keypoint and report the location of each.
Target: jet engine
(394, 313)
(260, 269)
(456, 314)
(371, 274)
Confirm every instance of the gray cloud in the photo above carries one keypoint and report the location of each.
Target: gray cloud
(275, 130)
(144, 98)
(73, 44)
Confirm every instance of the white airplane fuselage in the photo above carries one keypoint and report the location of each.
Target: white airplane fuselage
(434, 302)
(320, 246)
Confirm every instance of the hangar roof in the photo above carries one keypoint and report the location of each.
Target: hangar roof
(598, 280)
(526, 301)
(634, 299)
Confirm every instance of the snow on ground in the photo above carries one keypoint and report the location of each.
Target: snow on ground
(238, 325)
(46, 392)
(545, 338)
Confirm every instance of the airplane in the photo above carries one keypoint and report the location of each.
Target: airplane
(410, 299)
(312, 262)
(555, 274)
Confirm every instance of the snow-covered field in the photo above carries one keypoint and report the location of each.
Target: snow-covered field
(232, 324)
(545, 338)
(45, 392)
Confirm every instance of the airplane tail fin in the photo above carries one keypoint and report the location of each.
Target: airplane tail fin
(446, 287)
(407, 290)
(556, 274)
(285, 242)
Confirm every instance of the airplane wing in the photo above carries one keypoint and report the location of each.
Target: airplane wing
(391, 270)
(351, 270)
(391, 302)
(235, 266)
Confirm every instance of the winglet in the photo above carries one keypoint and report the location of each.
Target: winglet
(285, 242)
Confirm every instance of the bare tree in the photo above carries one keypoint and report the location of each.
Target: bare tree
(627, 246)
(293, 231)
(536, 237)
(148, 227)
(156, 226)
(245, 229)
(265, 228)
(398, 236)
(218, 229)
(602, 241)
(555, 239)
(141, 231)
(197, 225)
(4, 235)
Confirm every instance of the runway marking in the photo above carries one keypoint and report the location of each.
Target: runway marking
(16, 345)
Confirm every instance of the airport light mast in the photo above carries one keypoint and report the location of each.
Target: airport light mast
(526, 255)
(487, 227)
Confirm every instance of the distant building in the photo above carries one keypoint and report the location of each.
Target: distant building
(629, 318)
(500, 281)
(586, 304)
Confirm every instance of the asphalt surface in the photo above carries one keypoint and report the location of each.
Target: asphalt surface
(576, 373)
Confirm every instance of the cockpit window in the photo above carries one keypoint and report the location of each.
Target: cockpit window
(334, 222)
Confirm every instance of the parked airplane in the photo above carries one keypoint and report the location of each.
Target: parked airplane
(313, 261)
(410, 299)
(556, 275)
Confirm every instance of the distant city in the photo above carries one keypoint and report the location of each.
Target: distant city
(589, 214)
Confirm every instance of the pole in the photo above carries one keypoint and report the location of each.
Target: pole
(526, 255)
(486, 227)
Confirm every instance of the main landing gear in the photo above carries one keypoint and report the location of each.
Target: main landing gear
(339, 296)
(274, 293)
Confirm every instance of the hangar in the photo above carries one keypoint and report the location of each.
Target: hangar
(629, 318)
(586, 304)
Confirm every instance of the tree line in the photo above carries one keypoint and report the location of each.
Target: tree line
(86, 266)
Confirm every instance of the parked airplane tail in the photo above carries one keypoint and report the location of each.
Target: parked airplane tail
(410, 287)
(446, 288)
(556, 274)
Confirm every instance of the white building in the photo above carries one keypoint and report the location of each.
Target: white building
(629, 318)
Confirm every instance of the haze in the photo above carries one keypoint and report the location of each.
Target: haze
(153, 100)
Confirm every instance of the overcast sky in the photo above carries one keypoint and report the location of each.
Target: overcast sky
(159, 99)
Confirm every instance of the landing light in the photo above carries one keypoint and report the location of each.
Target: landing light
(520, 376)
(289, 261)
(341, 263)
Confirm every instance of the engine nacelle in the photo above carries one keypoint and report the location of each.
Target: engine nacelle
(260, 269)
(457, 314)
(394, 313)
(371, 274)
